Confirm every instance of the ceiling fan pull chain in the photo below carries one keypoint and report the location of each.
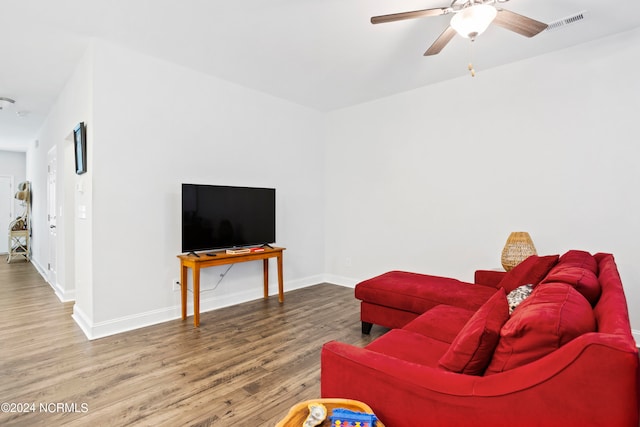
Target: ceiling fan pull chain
(470, 66)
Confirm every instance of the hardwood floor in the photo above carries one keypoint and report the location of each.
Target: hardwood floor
(245, 366)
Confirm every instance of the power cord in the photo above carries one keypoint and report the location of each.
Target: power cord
(216, 285)
(221, 277)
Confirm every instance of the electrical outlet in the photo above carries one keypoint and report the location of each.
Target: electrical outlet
(347, 261)
(175, 284)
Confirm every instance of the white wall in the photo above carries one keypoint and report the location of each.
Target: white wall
(72, 106)
(156, 125)
(435, 179)
(432, 180)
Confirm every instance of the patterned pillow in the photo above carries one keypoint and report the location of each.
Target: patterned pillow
(516, 296)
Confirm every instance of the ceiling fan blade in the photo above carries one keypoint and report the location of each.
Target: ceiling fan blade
(517, 23)
(441, 41)
(409, 15)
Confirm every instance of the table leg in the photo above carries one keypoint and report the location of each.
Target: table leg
(280, 280)
(183, 289)
(265, 276)
(196, 296)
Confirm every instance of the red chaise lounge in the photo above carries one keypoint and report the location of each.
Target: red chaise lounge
(564, 357)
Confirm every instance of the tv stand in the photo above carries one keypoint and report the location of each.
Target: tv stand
(196, 262)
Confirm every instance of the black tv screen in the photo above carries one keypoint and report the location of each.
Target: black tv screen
(217, 217)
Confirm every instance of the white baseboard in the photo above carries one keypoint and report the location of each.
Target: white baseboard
(39, 269)
(82, 320)
(123, 324)
(128, 323)
(95, 330)
(63, 295)
(341, 280)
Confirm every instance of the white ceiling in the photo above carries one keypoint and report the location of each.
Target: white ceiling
(324, 54)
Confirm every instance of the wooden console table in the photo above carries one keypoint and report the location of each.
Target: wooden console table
(212, 259)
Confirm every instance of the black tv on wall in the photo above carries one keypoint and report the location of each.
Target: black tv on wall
(218, 217)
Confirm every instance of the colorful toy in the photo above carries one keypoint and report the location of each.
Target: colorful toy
(345, 418)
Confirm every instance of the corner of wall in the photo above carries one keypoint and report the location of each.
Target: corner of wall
(347, 282)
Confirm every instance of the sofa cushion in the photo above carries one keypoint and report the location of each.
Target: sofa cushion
(442, 322)
(409, 346)
(582, 279)
(418, 293)
(530, 271)
(553, 315)
(576, 258)
(578, 269)
(471, 350)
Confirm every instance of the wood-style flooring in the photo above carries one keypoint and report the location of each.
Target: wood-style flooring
(245, 366)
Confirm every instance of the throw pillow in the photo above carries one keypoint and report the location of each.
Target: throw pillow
(530, 271)
(471, 350)
(553, 315)
(518, 295)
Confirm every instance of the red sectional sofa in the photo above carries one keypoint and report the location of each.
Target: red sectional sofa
(456, 357)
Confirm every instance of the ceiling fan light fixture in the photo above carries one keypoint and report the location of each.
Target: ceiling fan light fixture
(474, 20)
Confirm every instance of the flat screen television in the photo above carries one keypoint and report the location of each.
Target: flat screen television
(218, 217)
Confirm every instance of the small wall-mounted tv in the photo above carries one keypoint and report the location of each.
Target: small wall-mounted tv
(80, 147)
(218, 217)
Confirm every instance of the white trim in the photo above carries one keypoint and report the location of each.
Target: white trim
(341, 280)
(140, 320)
(295, 284)
(39, 269)
(123, 324)
(128, 323)
(62, 294)
(82, 320)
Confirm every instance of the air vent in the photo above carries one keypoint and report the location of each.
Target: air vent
(561, 23)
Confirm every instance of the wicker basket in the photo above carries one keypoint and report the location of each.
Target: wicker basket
(519, 247)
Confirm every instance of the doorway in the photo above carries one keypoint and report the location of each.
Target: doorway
(6, 210)
(52, 168)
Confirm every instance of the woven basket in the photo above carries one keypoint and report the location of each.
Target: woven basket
(519, 247)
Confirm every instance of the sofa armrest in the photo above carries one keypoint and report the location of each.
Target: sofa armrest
(488, 277)
(584, 377)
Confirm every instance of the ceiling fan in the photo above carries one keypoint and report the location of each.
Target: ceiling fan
(470, 19)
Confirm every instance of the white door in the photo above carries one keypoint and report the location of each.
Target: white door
(6, 210)
(51, 215)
